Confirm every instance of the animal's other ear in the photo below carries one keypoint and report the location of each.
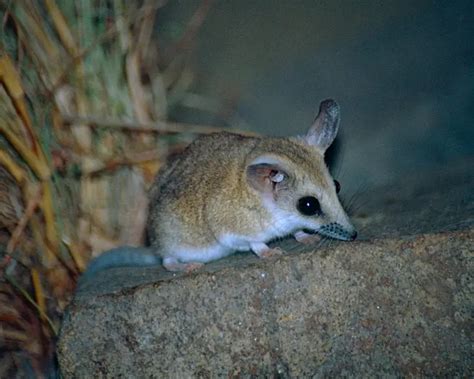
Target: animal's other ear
(266, 174)
(324, 129)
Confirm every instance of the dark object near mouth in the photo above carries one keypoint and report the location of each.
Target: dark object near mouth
(336, 231)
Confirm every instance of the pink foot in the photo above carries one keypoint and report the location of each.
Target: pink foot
(272, 253)
(174, 265)
(263, 251)
(190, 267)
(306, 238)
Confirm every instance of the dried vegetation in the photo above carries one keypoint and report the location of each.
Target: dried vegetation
(84, 99)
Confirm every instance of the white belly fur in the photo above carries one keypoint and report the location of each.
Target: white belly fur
(283, 224)
(187, 254)
(227, 244)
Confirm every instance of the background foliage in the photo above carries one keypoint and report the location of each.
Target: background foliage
(84, 100)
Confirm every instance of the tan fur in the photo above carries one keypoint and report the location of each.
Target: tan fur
(205, 188)
(205, 193)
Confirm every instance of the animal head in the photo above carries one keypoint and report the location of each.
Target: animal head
(294, 183)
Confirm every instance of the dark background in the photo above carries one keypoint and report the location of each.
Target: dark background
(402, 71)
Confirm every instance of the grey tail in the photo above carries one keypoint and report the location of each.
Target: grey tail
(123, 256)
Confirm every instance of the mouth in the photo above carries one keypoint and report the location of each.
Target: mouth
(336, 231)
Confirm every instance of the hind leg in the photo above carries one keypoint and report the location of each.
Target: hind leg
(172, 264)
(264, 251)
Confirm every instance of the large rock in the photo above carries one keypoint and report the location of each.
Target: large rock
(398, 302)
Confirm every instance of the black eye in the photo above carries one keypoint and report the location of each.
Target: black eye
(338, 186)
(309, 206)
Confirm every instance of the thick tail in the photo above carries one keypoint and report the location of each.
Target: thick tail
(123, 256)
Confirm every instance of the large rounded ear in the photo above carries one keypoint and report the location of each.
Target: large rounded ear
(324, 129)
(266, 174)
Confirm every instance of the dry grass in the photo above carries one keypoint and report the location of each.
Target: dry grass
(84, 98)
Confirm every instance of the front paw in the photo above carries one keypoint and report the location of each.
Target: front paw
(307, 238)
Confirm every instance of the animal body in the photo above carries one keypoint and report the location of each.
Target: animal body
(228, 192)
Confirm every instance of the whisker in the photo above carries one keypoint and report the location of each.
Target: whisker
(349, 204)
(458, 223)
(361, 231)
(356, 206)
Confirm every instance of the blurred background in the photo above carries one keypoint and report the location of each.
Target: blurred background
(96, 94)
(402, 71)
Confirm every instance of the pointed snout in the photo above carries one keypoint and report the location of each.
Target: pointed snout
(337, 231)
(348, 236)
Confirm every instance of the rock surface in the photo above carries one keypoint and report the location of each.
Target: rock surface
(397, 302)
